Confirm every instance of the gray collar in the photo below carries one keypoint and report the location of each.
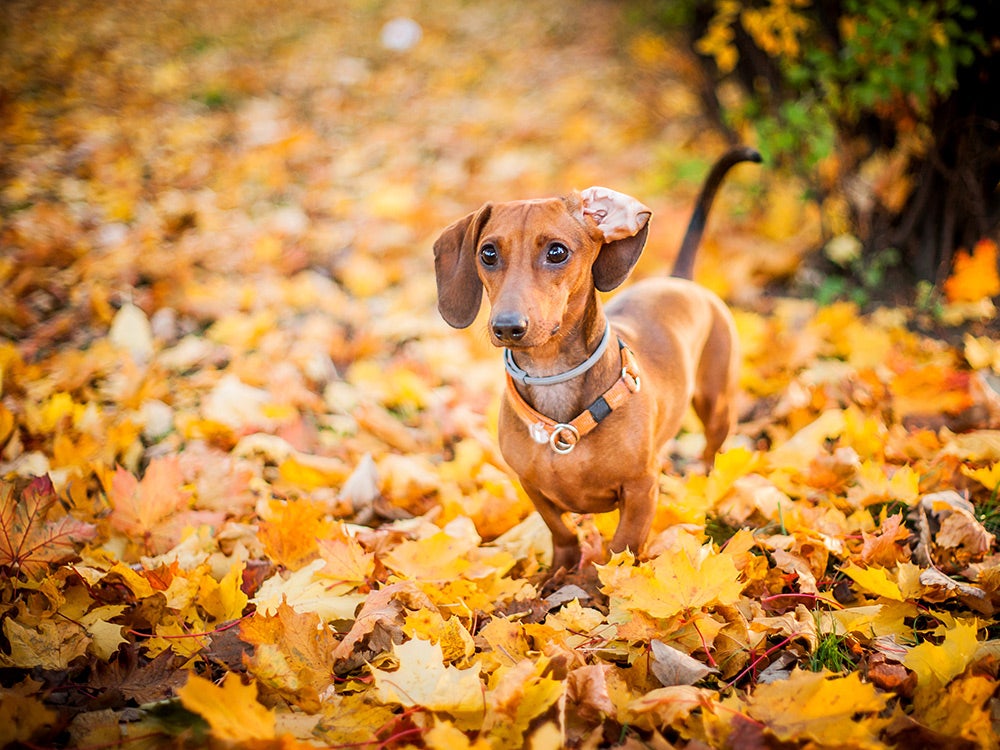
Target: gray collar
(524, 378)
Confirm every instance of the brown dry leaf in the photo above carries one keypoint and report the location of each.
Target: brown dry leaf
(31, 541)
(673, 667)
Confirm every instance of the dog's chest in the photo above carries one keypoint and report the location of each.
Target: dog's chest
(588, 479)
(559, 402)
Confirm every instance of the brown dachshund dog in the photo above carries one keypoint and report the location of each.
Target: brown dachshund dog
(593, 391)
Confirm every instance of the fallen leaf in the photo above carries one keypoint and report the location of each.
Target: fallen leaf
(874, 581)
(961, 712)
(974, 275)
(673, 667)
(940, 663)
(293, 653)
(423, 679)
(827, 709)
(22, 713)
(232, 710)
(51, 646)
(685, 579)
(29, 540)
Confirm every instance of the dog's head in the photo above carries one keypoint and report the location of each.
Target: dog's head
(539, 261)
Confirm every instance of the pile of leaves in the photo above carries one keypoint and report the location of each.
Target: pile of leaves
(249, 486)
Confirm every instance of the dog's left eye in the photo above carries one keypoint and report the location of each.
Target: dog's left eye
(557, 253)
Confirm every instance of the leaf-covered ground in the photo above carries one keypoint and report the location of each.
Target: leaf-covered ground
(250, 491)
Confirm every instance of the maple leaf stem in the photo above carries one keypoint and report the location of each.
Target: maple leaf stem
(711, 661)
(753, 665)
(388, 740)
(220, 629)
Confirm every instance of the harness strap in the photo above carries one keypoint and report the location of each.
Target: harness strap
(562, 437)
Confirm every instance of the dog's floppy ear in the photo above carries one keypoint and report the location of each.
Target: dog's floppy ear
(624, 222)
(460, 291)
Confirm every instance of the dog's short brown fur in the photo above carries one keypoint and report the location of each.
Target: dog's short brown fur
(542, 263)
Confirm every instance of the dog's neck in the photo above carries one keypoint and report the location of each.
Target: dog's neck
(566, 350)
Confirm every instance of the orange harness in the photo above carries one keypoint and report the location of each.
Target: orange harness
(562, 437)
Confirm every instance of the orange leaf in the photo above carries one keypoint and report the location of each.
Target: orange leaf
(883, 548)
(293, 653)
(141, 508)
(930, 389)
(974, 275)
(292, 532)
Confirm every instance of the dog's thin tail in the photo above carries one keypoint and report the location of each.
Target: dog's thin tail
(684, 265)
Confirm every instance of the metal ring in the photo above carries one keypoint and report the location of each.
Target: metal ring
(632, 381)
(563, 446)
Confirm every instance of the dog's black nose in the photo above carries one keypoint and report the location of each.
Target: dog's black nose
(509, 327)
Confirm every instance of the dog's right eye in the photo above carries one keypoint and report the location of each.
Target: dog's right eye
(488, 255)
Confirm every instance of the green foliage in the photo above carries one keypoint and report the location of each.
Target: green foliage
(832, 653)
(988, 513)
(891, 59)
(865, 276)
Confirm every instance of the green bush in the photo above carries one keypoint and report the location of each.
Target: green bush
(887, 107)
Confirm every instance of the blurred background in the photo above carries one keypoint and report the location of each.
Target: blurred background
(150, 145)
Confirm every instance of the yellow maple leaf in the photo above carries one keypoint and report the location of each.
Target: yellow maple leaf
(306, 591)
(988, 476)
(942, 662)
(455, 641)
(347, 562)
(22, 713)
(232, 711)
(52, 644)
(440, 556)
(223, 600)
(974, 275)
(832, 711)
(961, 711)
(729, 466)
(874, 581)
(423, 679)
(520, 694)
(686, 578)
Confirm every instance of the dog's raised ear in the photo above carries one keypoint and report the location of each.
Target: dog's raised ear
(624, 222)
(460, 292)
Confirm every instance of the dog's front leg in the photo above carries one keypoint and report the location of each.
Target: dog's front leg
(638, 504)
(565, 545)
